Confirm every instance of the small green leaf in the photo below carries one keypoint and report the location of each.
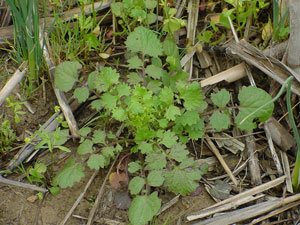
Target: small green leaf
(169, 139)
(96, 161)
(172, 112)
(134, 166)
(136, 185)
(251, 98)
(188, 118)
(221, 98)
(85, 147)
(117, 8)
(81, 93)
(84, 131)
(63, 148)
(219, 121)
(135, 62)
(99, 137)
(106, 79)
(133, 78)
(178, 152)
(96, 105)
(192, 96)
(71, 173)
(143, 208)
(66, 75)
(166, 95)
(154, 86)
(59, 137)
(108, 152)
(145, 147)
(123, 90)
(144, 133)
(144, 41)
(155, 178)
(109, 101)
(150, 4)
(154, 71)
(119, 114)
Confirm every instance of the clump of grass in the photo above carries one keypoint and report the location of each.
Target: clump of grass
(26, 35)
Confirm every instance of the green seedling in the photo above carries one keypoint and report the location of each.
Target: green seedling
(7, 135)
(160, 112)
(279, 30)
(16, 107)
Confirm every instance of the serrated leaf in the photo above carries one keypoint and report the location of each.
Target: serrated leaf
(123, 89)
(81, 93)
(145, 41)
(219, 121)
(119, 114)
(154, 71)
(169, 139)
(106, 79)
(221, 98)
(192, 96)
(188, 118)
(85, 147)
(96, 105)
(144, 133)
(154, 86)
(163, 123)
(96, 161)
(166, 95)
(84, 131)
(155, 178)
(99, 137)
(143, 208)
(109, 101)
(136, 185)
(145, 147)
(196, 131)
(133, 78)
(182, 181)
(71, 173)
(66, 75)
(108, 152)
(135, 62)
(134, 166)
(251, 98)
(155, 161)
(178, 152)
(172, 112)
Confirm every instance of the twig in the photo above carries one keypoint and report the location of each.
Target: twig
(221, 160)
(95, 206)
(79, 198)
(286, 169)
(22, 185)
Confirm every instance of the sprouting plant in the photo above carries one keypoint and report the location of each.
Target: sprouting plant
(279, 29)
(16, 107)
(7, 135)
(159, 112)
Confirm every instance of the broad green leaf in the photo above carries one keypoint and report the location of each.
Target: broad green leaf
(138, 14)
(66, 75)
(178, 152)
(219, 121)
(117, 8)
(169, 139)
(133, 78)
(155, 178)
(144, 133)
(251, 98)
(144, 41)
(221, 98)
(108, 152)
(109, 101)
(150, 4)
(85, 147)
(163, 123)
(135, 62)
(154, 71)
(136, 185)
(119, 114)
(71, 173)
(145, 147)
(96, 161)
(81, 93)
(154, 86)
(155, 161)
(134, 166)
(143, 208)
(84, 131)
(182, 181)
(99, 137)
(196, 131)
(188, 118)
(172, 112)
(106, 79)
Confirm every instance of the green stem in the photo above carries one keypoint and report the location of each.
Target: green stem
(295, 178)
